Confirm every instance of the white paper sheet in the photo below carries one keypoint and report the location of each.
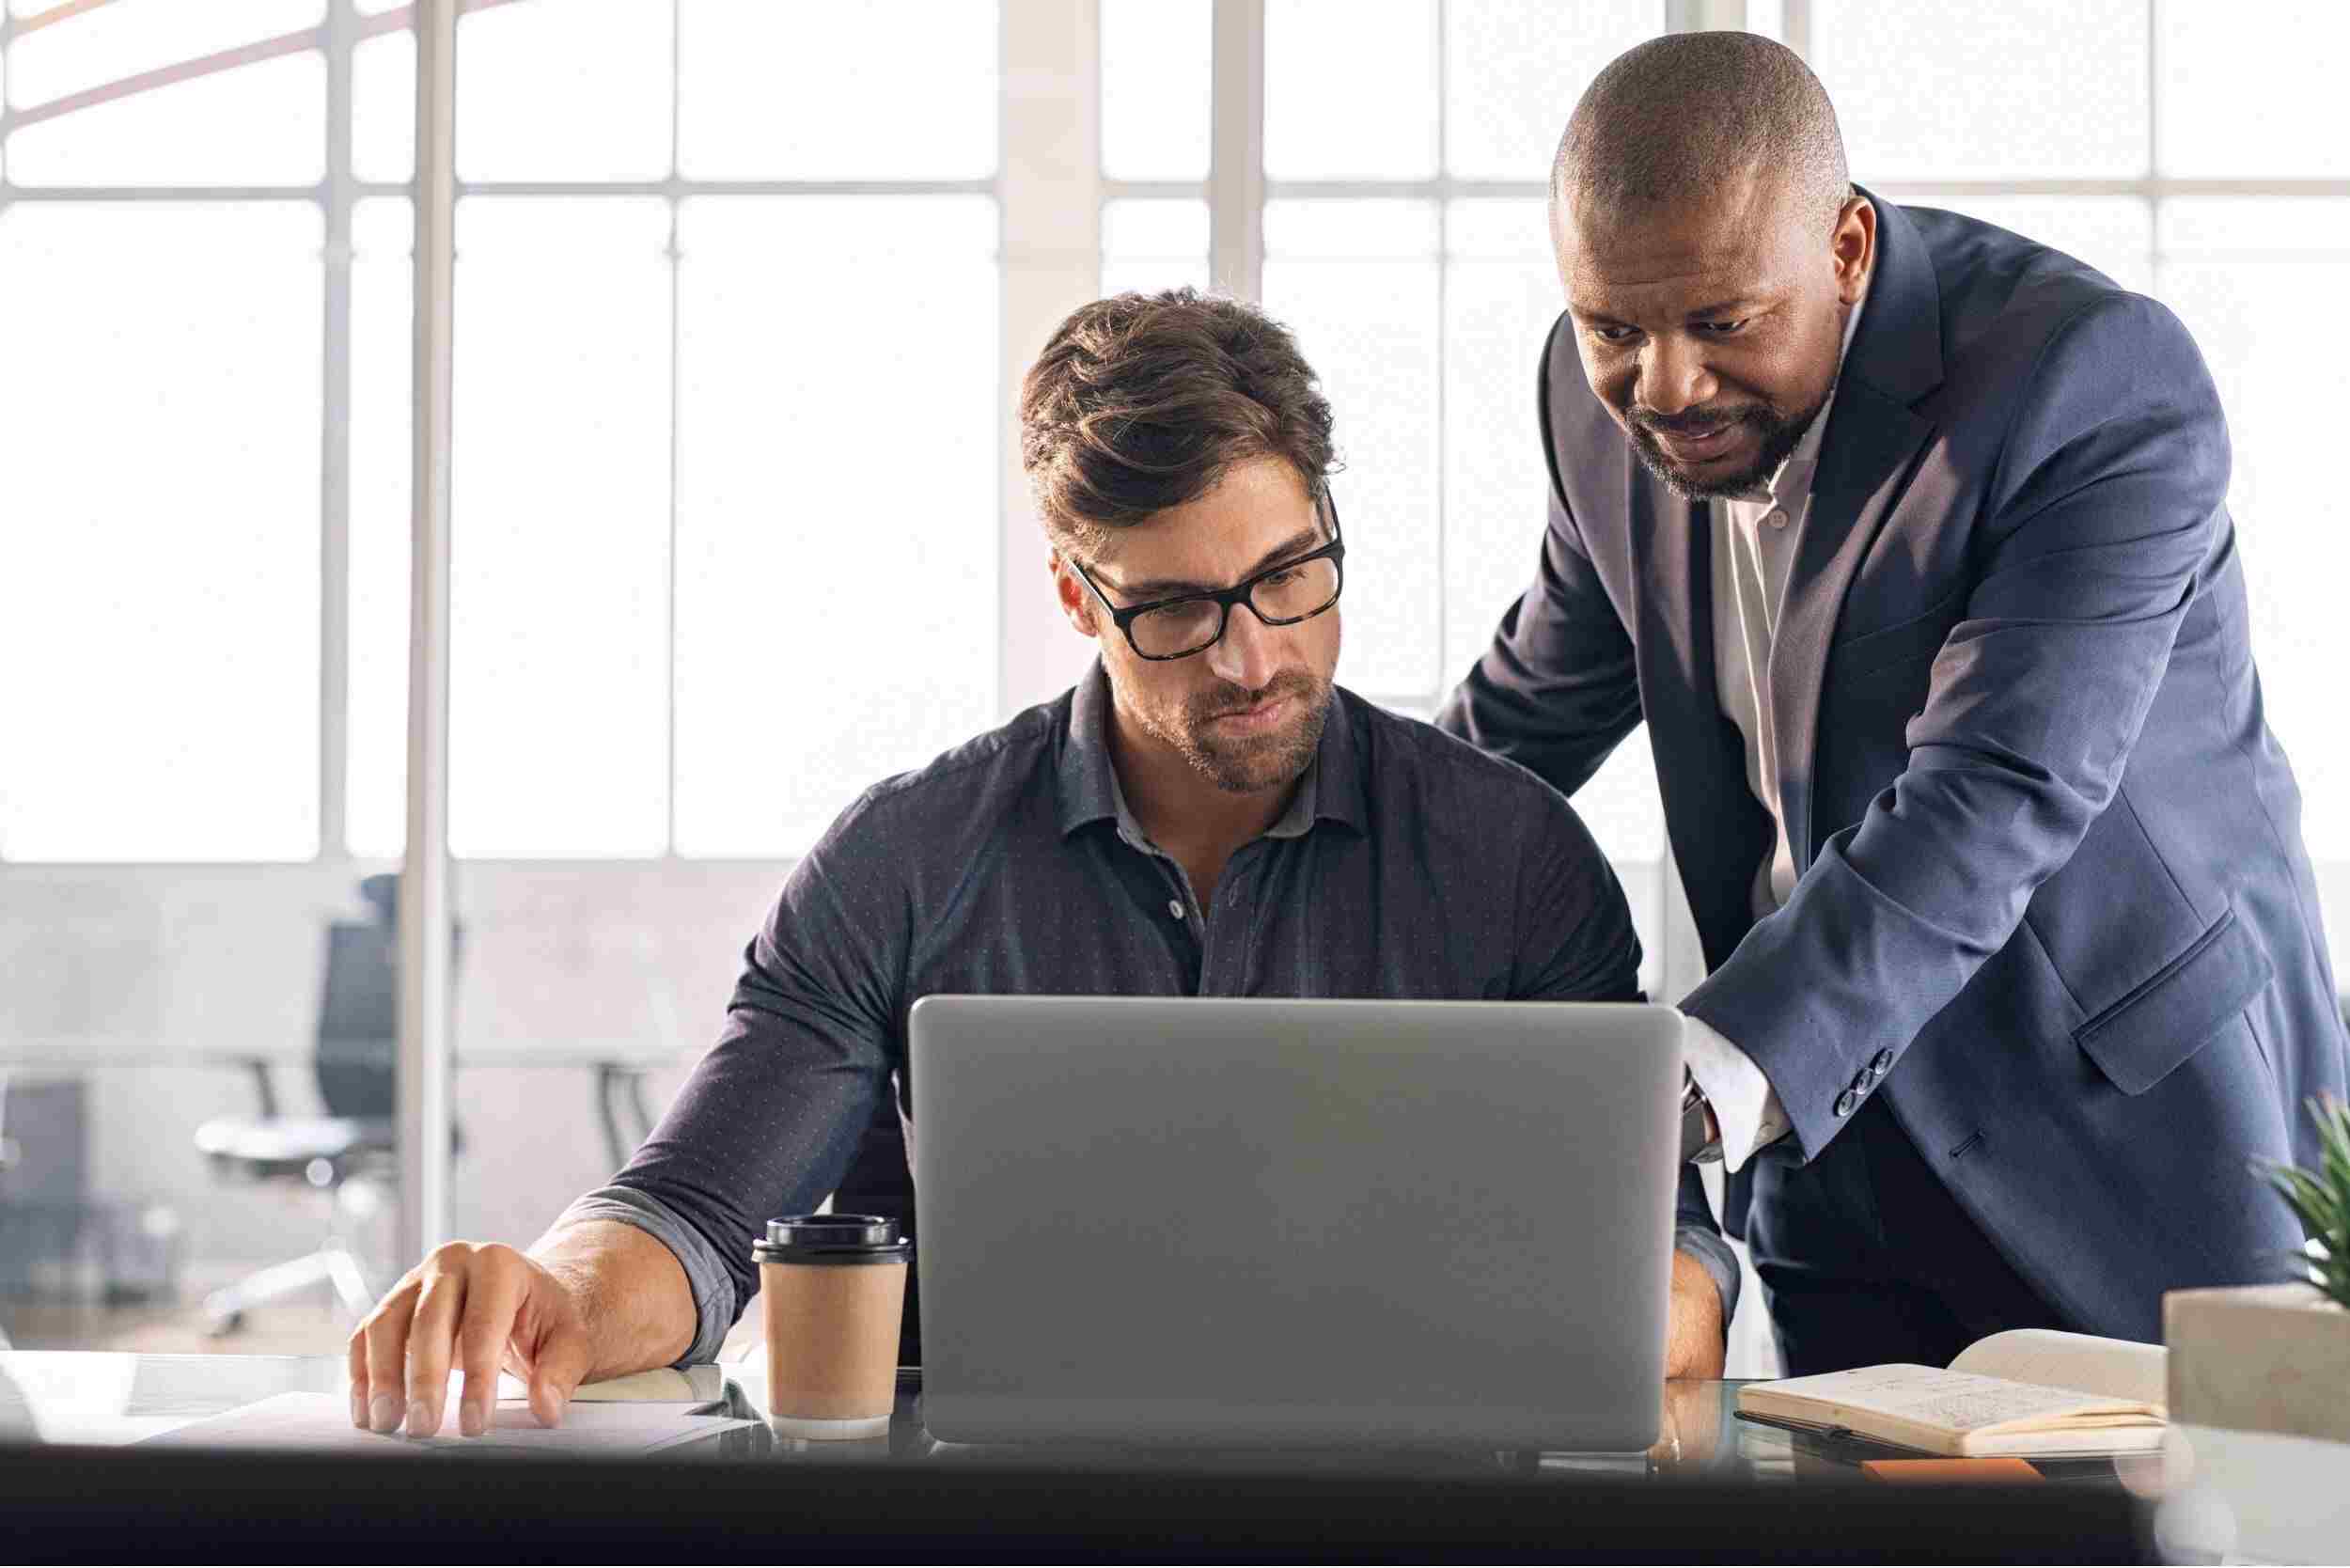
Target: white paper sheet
(321, 1423)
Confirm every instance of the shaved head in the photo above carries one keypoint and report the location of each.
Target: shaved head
(1667, 124)
(1712, 249)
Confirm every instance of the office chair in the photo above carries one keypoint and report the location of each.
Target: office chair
(352, 1152)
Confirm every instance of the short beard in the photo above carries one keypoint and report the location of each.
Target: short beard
(1246, 764)
(1782, 435)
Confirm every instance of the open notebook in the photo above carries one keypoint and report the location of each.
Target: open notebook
(2027, 1391)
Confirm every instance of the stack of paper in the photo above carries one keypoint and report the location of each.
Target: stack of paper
(321, 1423)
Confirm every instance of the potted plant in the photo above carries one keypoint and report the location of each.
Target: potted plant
(2277, 1357)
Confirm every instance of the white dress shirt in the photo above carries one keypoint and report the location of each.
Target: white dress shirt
(1755, 537)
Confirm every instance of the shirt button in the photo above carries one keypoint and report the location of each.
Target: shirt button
(1175, 907)
(1775, 518)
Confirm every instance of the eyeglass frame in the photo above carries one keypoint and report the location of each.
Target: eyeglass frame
(1224, 598)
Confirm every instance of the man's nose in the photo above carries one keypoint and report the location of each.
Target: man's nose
(1673, 375)
(1249, 653)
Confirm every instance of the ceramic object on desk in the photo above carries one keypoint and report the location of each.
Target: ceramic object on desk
(2259, 1358)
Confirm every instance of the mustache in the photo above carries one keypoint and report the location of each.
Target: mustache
(1229, 699)
(1695, 422)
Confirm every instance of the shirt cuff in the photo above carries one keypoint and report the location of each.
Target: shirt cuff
(1710, 1249)
(714, 1307)
(1745, 1106)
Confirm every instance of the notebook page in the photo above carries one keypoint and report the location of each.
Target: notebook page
(1927, 1399)
(2118, 1369)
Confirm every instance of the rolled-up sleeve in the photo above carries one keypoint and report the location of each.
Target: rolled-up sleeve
(769, 1120)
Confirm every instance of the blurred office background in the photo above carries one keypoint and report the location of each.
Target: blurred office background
(743, 289)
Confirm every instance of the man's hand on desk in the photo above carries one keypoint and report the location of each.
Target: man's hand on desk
(592, 1300)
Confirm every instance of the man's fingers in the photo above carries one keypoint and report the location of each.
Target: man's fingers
(358, 1371)
(482, 1336)
(432, 1338)
(562, 1363)
(386, 1352)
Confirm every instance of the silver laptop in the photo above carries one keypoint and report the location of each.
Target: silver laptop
(1243, 1222)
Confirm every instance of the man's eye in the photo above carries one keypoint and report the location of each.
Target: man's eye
(1615, 333)
(1282, 578)
(1723, 329)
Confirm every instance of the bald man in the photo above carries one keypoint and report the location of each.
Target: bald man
(1909, 540)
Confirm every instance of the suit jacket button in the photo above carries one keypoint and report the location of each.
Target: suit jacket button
(1881, 1064)
(1845, 1101)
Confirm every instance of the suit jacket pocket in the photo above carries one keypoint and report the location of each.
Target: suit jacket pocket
(2138, 1040)
(1919, 638)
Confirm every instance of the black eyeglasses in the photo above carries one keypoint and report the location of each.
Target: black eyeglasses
(1298, 589)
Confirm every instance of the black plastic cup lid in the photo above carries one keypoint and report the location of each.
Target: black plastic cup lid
(832, 1239)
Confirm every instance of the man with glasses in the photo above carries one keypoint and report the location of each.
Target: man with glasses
(1204, 814)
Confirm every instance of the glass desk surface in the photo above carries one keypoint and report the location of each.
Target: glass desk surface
(2209, 1496)
(111, 1399)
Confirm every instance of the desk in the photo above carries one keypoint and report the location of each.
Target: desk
(1716, 1488)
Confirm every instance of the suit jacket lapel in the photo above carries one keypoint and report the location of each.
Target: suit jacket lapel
(1872, 436)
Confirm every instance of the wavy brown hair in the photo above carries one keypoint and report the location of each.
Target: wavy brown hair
(1144, 401)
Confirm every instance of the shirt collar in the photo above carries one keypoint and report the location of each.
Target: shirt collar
(1330, 790)
(1792, 481)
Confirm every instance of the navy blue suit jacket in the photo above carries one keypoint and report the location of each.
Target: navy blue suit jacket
(2052, 902)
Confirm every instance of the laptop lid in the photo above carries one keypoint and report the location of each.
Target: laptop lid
(1215, 1220)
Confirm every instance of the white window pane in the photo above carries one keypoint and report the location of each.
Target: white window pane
(2249, 88)
(565, 89)
(258, 124)
(853, 89)
(1513, 69)
(2232, 229)
(2251, 317)
(561, 526)
(1995, 90)
(1368, 324)
(1501, 297)
(1155, 88)
(159, 476)
(2113, 234)
(837, 501)
(383, 107)
(1497, 313)
(1350, 90)
(383, 291)
(1153, 244)
(1347, 230)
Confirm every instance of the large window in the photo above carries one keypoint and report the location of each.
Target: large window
(732, 362)
(727, 395)
(718, 296)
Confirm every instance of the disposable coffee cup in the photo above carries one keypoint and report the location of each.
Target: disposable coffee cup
(835, 1286)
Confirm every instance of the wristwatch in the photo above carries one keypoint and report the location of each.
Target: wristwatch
(1697, 1143)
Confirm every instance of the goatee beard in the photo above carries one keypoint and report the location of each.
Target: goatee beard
(1780, 436)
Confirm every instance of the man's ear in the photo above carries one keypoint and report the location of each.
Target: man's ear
(1856, 248)
(1076, 601)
